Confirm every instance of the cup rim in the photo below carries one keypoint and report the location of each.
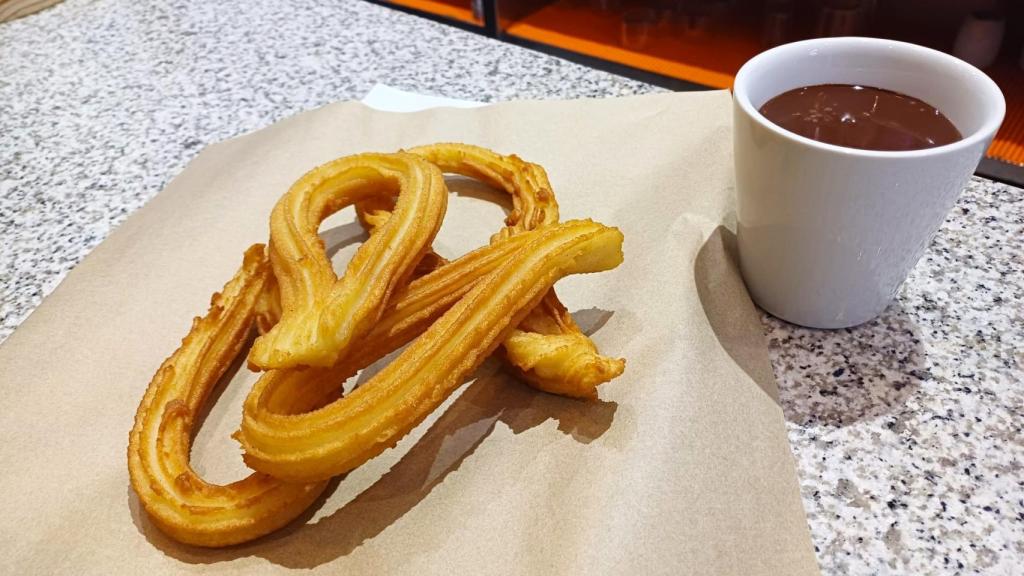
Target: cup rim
(986, 130)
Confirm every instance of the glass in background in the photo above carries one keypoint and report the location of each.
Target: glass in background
(840, 18)
(778, 25)
(980, 37)
(637, 27)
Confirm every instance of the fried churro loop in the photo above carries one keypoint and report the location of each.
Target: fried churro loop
(548, 348)
(344, 434)
(196, 512)
(317, 331)
(181, 503)
(321, 313)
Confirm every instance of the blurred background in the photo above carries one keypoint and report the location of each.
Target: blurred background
(697, 44)
(700, 44)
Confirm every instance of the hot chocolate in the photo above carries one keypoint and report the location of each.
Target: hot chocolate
(860, 117)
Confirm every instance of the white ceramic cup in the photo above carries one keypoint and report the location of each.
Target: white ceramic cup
(827, 234)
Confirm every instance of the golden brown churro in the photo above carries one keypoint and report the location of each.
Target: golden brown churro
(321, 314)
(548, 348)
(317, 331)
(341, 436)
(183, 505)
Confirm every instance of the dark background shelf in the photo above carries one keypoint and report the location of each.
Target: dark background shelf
(589, 32)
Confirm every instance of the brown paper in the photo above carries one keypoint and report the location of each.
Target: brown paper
(682, 467)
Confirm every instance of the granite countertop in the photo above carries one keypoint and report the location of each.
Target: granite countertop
(907, 430)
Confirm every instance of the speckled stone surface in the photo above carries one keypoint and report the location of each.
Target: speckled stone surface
(907, 431)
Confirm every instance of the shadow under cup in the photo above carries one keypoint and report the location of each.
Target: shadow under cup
(827, 234)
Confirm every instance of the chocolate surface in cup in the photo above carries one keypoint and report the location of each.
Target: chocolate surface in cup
(860, 117)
